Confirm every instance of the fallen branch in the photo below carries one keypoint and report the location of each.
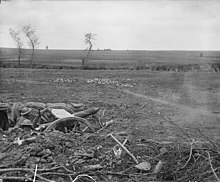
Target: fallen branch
(213, 170)
(190, 155)
(26, 169)
(184, 132)
(14, 178)
(96, 132)
(206, 137)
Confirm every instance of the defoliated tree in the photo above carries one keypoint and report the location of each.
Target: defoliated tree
(89, 40)
(15, 35)
(33, 39)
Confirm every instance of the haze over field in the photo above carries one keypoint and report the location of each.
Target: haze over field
(144, 25)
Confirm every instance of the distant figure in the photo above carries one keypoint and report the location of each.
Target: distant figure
(46, 47)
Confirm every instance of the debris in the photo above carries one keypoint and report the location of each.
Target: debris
(62, 80)
(117, 151)
(35, 173)
(103, 81)
(70, 120)
(109, 122)
(85, 176)
(87, 112)
(145, 166)
(123, 147)
(158, 167)
(163, 150)
(59, 149)
(93, 167)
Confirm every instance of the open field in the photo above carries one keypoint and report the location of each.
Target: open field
(189, 99)
(155, 109)
(116, 59)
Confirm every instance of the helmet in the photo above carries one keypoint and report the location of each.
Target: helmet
(26, 122)
(25, 110)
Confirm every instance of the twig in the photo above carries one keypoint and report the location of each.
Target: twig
(206, 137)
(83, 175)
(190, 155)
(213, 170)
(25, 169)
(59, 174)
(41, 177)
(35, 173)
(184, 132)
(124, 142)
(7, 147)
(66, 169)
(178, 147)
(71, 179)
(157, 142)
(126, 150)
(141, 107)
(13, 178)
(96, 132)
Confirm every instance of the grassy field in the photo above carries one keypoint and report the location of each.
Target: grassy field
(116, 59)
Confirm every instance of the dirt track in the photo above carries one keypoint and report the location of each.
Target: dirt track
(182, 107)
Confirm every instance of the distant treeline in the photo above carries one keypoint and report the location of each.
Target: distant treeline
(103, 49)
(213, 67)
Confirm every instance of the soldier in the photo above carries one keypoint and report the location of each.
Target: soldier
(26, 125)
(15, 113)
(19, 113)
(24, 114)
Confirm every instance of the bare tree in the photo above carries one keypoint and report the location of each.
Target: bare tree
(89, 40)
(33, 39)
(15, 36)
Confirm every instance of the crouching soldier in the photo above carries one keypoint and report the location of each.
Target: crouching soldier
(26, 125)
(24, 115)
(27, 129)
(19, 113)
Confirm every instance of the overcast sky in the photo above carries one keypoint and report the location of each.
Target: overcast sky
(124, 24)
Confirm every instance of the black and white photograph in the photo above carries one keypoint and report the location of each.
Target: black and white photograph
(109, 91)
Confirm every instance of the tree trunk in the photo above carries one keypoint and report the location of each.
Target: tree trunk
(83, 63)
(32, 57)
(85, 59)
(19, 58)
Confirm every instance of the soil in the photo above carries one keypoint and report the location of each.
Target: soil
(146, 105)
(189, 99)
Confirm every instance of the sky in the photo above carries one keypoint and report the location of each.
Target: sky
(118, 24)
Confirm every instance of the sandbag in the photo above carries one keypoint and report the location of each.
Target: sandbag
(36, 105)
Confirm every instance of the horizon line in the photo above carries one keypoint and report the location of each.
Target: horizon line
(193, 50)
